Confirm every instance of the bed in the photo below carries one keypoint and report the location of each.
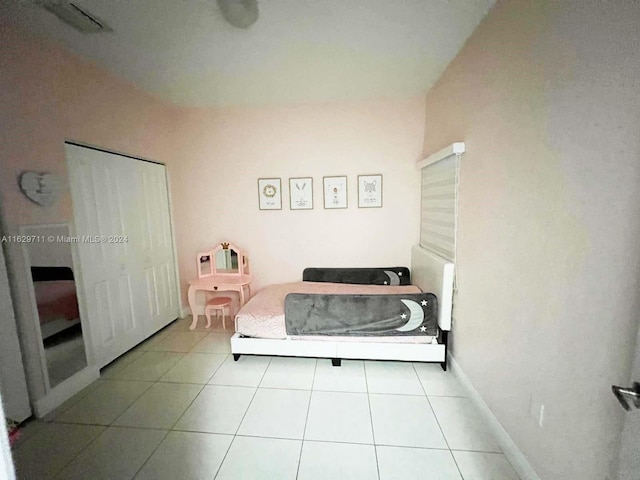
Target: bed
(339, 313)
(55, 292)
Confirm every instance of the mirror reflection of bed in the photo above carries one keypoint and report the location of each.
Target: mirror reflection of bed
(59, 317)
(54, 288)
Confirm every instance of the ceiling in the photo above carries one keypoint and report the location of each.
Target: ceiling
(299, 51)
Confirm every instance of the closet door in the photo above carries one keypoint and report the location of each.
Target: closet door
(103, 190)
(129, 285)
(157, 260)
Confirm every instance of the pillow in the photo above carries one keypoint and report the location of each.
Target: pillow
(360, 276)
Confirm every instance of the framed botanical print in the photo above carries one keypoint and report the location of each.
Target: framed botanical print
(301, 193)
(269, 194)
(369, 191)
(335, 192)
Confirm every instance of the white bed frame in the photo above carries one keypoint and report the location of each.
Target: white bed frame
(430, 272)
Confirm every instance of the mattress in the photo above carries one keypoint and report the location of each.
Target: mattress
(263, 315)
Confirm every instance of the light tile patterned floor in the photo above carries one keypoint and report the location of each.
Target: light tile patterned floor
(178, 406)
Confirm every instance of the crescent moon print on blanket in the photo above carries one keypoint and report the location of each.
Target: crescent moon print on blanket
(404, 314)
(394, 279)
(416, 316)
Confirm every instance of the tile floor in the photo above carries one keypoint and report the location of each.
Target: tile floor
(179, 407)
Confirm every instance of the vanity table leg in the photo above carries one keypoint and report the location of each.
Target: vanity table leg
(241, 292)
(192, 306)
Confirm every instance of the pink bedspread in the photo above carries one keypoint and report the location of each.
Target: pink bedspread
(56, 299)
(263, 315)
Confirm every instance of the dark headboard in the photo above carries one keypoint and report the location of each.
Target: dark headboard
(48, 274)
(361, 276)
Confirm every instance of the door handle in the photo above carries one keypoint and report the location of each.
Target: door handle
(623, 393)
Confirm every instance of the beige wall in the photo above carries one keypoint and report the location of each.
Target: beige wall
(546, 95)
(223, 153)
(48, 96)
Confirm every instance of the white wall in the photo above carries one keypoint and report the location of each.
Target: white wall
(546, 96)
(13, 384)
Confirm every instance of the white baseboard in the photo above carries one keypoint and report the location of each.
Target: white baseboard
(65, 390)
(185, 312)
(517, 459)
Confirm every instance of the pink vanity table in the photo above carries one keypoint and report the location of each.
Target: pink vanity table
(226, 270)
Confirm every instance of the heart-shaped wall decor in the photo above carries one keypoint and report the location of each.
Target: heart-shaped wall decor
(41, 188)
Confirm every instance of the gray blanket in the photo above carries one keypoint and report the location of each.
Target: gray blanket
(361, 315)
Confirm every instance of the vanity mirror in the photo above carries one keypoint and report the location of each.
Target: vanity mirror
(225, 259)
(205, 266)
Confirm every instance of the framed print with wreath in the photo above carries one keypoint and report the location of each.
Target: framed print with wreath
(269, 194)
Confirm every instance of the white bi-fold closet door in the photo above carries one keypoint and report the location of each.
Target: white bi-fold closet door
(125, 245)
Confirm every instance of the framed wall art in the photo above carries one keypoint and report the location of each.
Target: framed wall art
(370, 191)
(335, 192)
(301, 193)
(269, 194)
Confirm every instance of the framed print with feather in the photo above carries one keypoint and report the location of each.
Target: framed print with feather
(301, 193)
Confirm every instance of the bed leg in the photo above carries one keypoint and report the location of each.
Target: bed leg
(444, 339)
(236, 357)
(336, 362)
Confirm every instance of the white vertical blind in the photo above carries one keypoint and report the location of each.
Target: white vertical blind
(440, 206)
